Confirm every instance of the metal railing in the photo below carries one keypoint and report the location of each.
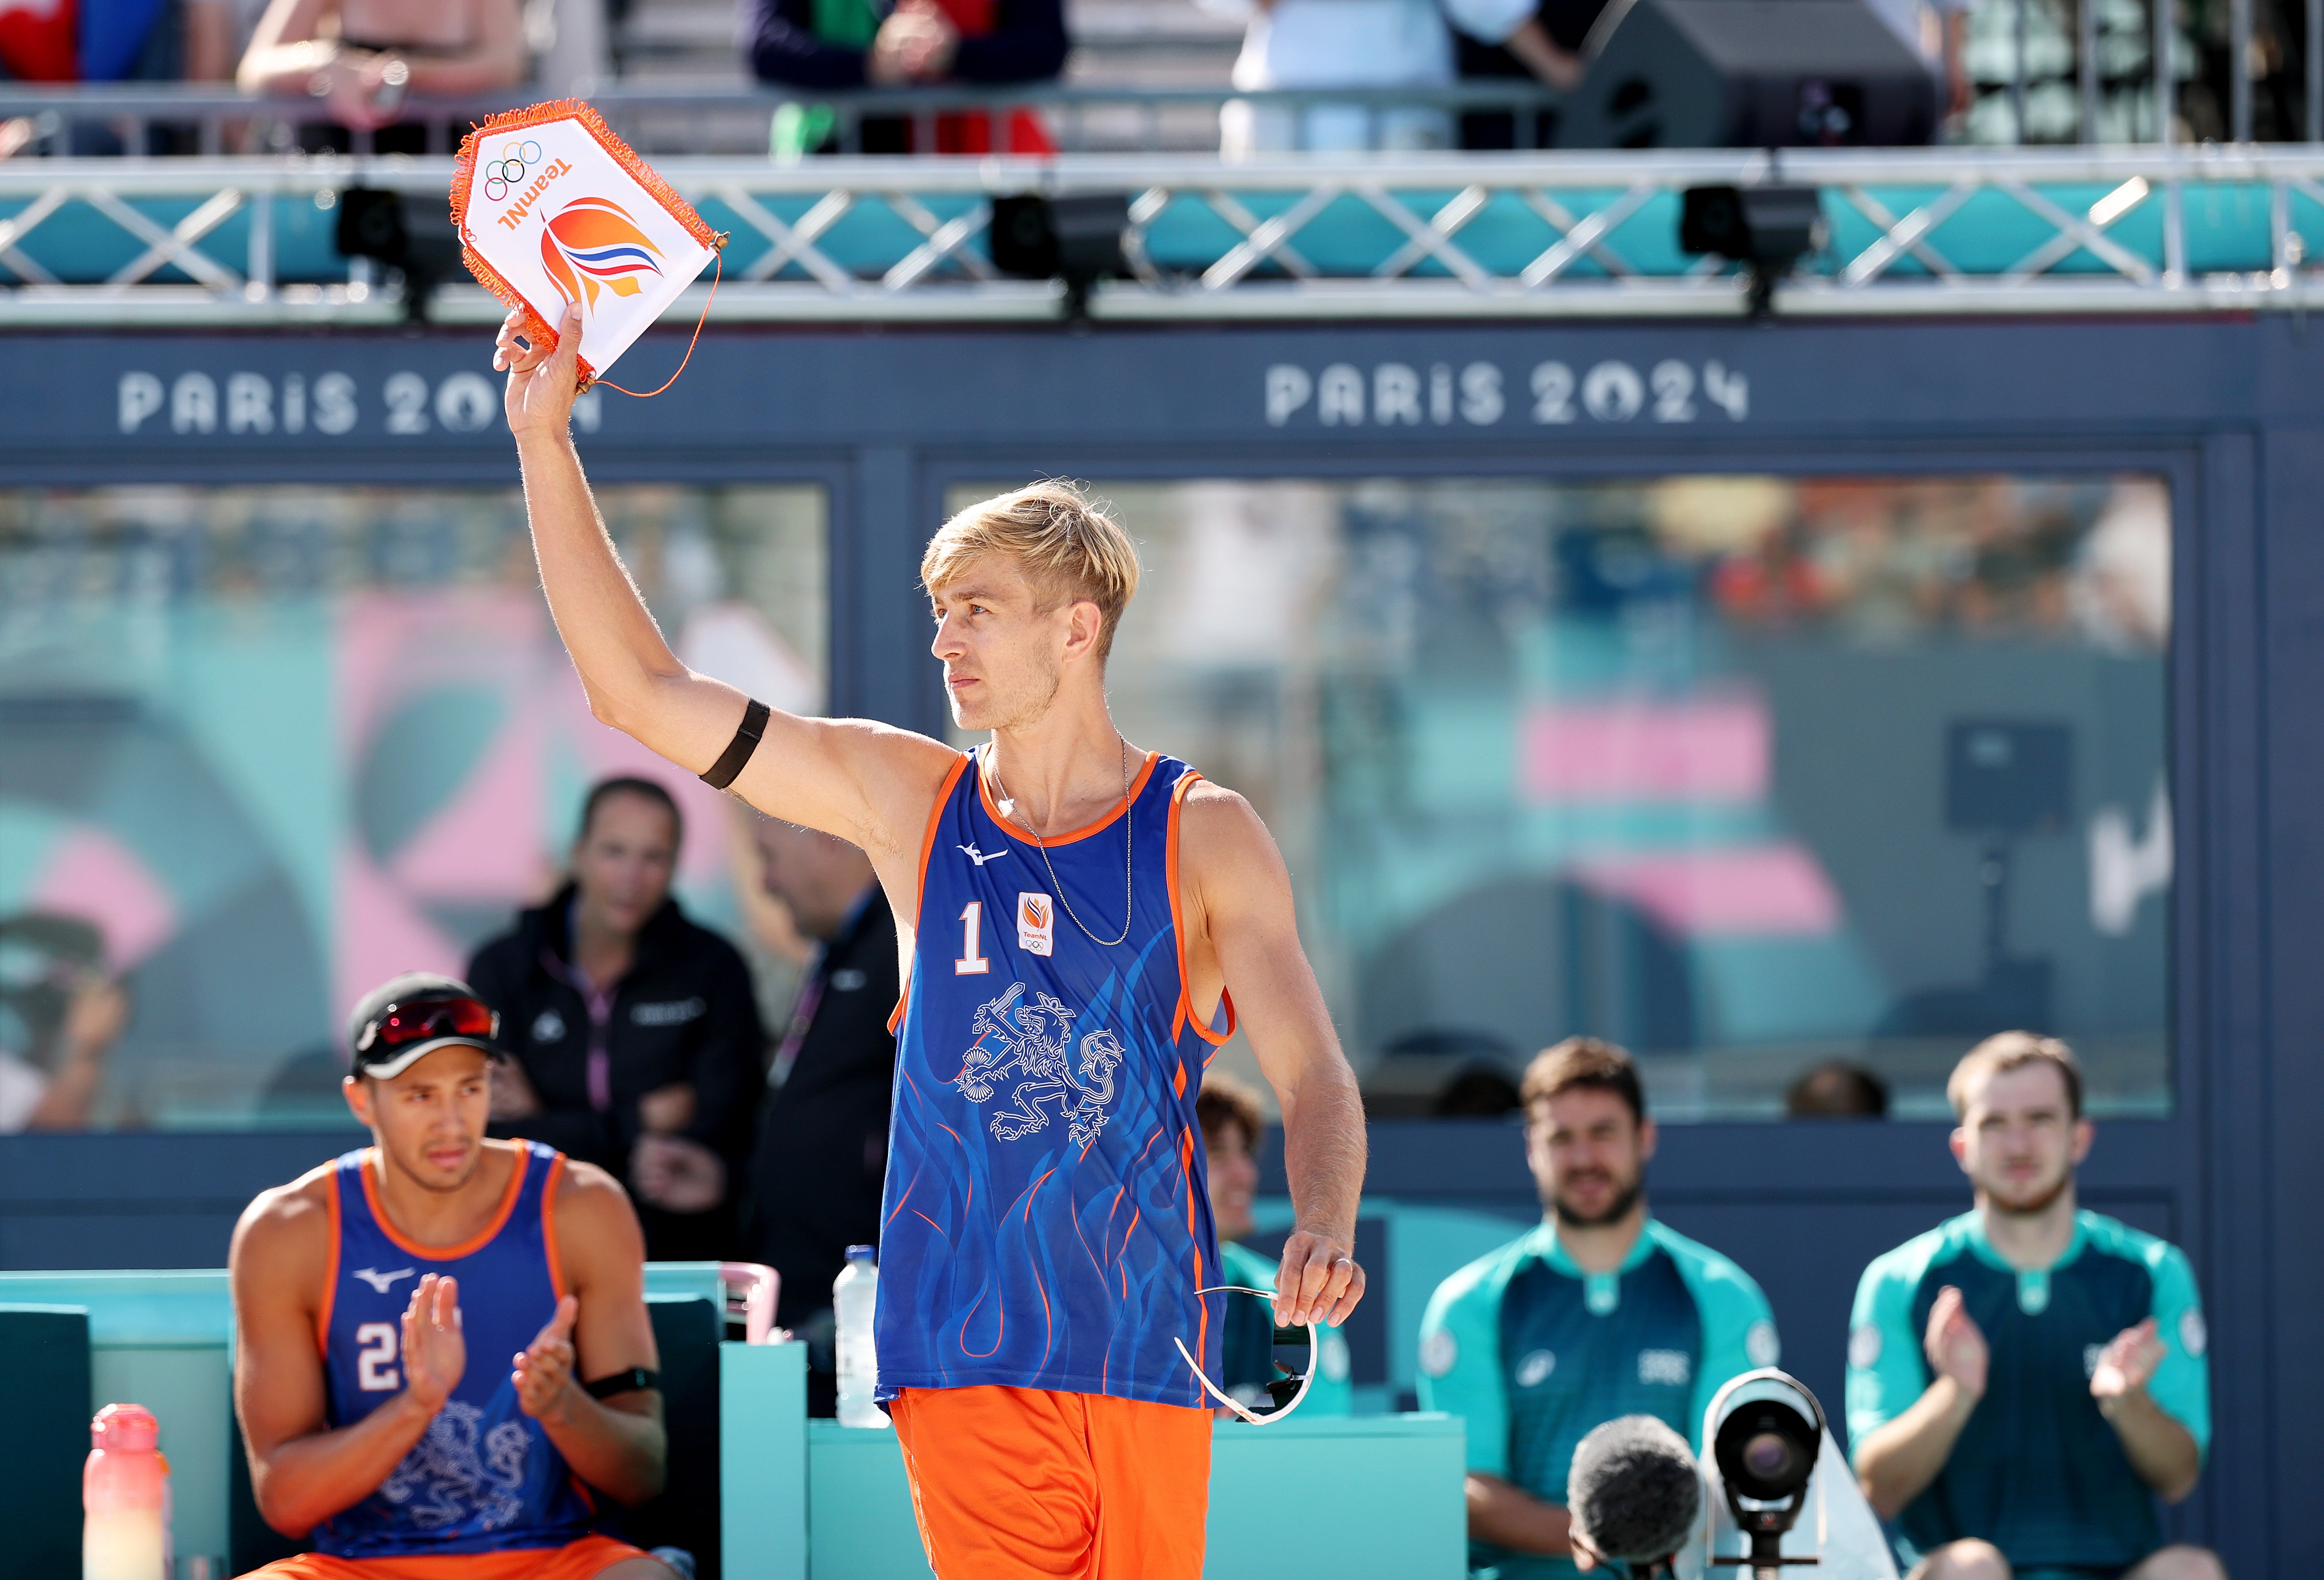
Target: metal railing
(1914, 232)
(2134, 97)
(170, 118)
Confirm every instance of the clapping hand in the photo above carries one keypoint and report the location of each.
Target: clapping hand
(678, 1175)
(916, 44)
(512, 1095)
(435, 1352)
(2126, 1364)
(1955, 1344)
(544, 1368)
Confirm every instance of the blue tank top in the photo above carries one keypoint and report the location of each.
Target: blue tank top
(1046, 1223)
(484, 1477)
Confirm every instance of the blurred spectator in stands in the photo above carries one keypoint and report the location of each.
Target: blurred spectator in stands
(1477, 1091)
(822, 1148)
(1838, 1090)
(1233, 1123)
(838, 44)
(1545, 47)
(632, 1028)
(362, 58)
(1359, 43)
(1936, 30)
(60, 1015)
(111, 40)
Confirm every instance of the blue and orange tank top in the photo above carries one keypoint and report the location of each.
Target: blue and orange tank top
(1046, 1223)
(484, 1477)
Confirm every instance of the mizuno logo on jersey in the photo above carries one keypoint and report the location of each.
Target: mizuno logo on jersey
(1036, 923)
(380, 1282)
(979, 857)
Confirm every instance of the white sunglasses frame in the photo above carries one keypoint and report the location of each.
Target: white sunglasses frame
(1307, 1378)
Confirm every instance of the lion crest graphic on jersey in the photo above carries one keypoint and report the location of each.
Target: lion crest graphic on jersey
(593, 242)
(454, 1473)
(1034, 1043)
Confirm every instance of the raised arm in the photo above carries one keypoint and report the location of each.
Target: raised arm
(1245, 937)
(301, 1470)
(864, 783)
(600, 1330)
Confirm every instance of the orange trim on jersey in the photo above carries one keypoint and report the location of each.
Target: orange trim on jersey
(549, 1226)
(1137, 788)
(1178, 923)
(331, 1276)
(920, 893)
(468, 1247)
(1195, 1233)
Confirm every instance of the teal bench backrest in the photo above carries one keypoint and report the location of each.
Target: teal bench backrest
(44, 1378)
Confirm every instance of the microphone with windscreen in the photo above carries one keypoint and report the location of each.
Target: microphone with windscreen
(1633, 1493)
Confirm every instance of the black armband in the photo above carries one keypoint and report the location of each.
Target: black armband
(629, 1382)
(738, 750)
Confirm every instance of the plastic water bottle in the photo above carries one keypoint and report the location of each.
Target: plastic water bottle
(124, 1497)
(854, 1295)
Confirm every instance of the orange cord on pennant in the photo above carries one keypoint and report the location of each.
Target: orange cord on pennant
(718, 264)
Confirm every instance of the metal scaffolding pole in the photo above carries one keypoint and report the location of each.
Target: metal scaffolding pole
(2086, 63)
(2166, 95)
(2017, 69)
(2313, 78)
(2239, 95)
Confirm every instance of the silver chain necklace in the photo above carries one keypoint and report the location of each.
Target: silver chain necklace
(1008, 809)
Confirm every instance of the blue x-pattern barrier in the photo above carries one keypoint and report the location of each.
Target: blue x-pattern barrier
(1914, 232)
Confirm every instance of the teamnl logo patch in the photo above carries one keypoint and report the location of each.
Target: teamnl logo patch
(591, 244)
(1036, 923)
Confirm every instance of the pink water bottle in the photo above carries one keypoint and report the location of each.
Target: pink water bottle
(124, 1498)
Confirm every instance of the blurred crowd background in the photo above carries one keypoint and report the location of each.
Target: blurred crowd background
(2010, 68)
(1769, 779)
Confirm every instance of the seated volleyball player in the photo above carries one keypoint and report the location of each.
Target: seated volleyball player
(415, 1322)
(1080, 923)
(2025, 1380)
(1599, 1311)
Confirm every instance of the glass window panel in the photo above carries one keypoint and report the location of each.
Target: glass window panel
(1752, 774)
(266, 746)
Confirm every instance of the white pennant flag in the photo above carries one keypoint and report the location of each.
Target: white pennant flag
(553, 207)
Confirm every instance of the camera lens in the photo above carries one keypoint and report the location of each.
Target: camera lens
(1768, 1457)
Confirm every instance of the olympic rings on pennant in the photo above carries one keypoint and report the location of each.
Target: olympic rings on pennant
(507, 171)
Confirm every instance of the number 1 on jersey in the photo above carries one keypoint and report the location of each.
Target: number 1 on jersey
(972, 961)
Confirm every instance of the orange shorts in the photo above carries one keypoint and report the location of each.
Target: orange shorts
(591, 1555)
(1020, 1483)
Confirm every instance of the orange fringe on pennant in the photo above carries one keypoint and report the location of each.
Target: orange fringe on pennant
(464, 175)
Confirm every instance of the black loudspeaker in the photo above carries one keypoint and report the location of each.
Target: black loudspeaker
(1748, 73)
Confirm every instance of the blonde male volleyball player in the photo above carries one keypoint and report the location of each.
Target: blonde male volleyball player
(413, 1322)
(1080, 923)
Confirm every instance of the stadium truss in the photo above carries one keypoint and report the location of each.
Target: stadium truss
(1919, 231)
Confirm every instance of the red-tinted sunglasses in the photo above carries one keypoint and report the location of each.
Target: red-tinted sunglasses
(424, 1019)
